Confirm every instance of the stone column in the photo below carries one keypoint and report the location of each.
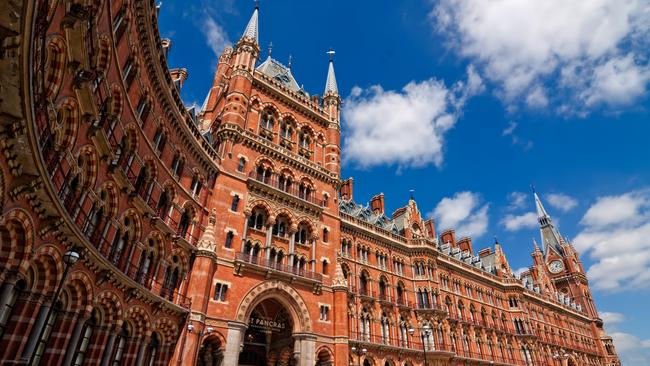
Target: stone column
(269, 234)
(36, 331)
(139, 361)
(306, 346)
(108, 351)
(292, 245)
(234, 340)
(5, 294)
(313, 255)
(74, 339)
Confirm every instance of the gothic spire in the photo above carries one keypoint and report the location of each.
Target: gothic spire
(330, 84)
(551, 239)
(251, 31)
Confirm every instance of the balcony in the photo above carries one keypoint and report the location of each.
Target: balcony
(434, 349)
(269, 267)
(431, 308)
(94, 232)
(488, 358)
(292, 190)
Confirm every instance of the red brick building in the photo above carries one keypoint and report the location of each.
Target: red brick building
(226, 236)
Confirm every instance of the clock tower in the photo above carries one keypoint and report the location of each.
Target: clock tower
(562, 262)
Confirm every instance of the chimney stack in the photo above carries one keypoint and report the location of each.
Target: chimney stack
(377, 203)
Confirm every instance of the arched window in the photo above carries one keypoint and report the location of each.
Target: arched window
(267, 121)
(163, 208)
(241, 165)
(177, 165)
(121, 340)
(280, 226)
(364, 283)
(184, 223)
(303, 234)
(285, 181)
(403, 333)
(385, 329)
(159, 140)
(147, 263)
(257, 219)
(85, 340)
(196, 185)
(365, 325)
(153, 349)
(172, 277)
(383, 295)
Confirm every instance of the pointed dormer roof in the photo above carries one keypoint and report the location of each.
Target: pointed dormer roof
(251, 31)
(551, 239)
(330, 84)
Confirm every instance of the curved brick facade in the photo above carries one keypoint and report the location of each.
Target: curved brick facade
(228, 237)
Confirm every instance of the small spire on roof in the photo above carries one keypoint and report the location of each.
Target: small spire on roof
(251, 30)
(535, 246)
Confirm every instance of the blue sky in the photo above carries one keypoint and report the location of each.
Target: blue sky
(470, 102)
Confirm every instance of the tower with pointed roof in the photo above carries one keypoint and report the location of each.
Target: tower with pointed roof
(276, 193)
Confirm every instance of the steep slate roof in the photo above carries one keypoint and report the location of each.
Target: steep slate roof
(277, 71)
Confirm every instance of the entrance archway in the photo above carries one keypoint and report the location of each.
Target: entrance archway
(210, 353)
(269, 340)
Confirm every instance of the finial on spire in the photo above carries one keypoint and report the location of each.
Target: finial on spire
(270, 49)
(496, 241)
(411, 191)
(532, 187)
(331, 53)
(330, 84)
(257, 4)
(290, 59)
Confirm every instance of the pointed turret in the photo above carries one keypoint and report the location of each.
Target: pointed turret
(551, 239)
(251, 32)
(332, 106)
(330, 84)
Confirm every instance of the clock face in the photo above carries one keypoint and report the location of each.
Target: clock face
(556, 266)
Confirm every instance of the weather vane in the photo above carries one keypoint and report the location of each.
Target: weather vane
(331, 53)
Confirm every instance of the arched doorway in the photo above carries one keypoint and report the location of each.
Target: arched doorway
(210, 353)
(268, 341)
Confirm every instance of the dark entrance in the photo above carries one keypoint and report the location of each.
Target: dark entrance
(268, 340)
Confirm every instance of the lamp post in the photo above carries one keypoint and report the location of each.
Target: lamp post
(359, 352)
(425, 331)
(69, 259)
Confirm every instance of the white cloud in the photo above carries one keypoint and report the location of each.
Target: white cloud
(616, 236)
(615, 209)
(611, 318)
(518, 222)
(404, 127)
(215, 36)
(632, 350)
(516, 200)
(519, 271)
(561, 201)
(586, 52)
(464, 213)
(516, 140)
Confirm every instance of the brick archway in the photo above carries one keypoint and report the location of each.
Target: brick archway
(285, 295)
